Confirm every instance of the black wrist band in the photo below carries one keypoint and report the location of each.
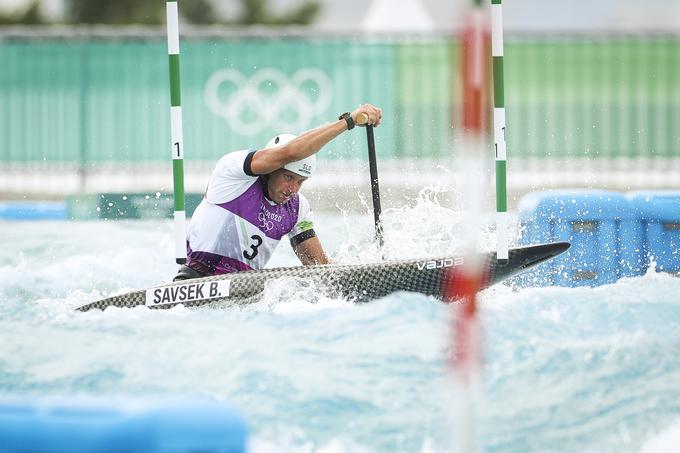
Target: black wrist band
(348, 119)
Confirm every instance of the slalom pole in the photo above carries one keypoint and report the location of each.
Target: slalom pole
(461, 284)
(176, 133)
(499, 131)
(373, 168)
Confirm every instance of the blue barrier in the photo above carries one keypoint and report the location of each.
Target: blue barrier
(600, 227)
(80, 425)
(32, 210)
(657, 215)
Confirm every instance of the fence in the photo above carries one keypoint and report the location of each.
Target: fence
(88, 99)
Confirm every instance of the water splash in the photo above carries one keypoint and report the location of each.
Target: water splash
(566, 369)
(428, 226)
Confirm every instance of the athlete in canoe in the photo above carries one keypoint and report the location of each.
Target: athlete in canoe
(252, 202)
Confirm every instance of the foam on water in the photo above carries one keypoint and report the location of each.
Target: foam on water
(667, 440)
(566, 369)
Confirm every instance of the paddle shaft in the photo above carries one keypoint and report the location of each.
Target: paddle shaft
(375, 188)
(362, 120)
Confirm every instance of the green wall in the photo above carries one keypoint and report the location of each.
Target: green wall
(94, 101)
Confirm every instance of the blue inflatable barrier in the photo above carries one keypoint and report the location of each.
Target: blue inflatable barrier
(32, 210)
(657, 215)
(58, 425)
(598, 224)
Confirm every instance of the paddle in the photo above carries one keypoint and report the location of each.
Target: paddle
(373, 168)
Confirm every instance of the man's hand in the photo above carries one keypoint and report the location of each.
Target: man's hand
(373, 113)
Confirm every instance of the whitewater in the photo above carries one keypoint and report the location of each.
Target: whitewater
(564, 369)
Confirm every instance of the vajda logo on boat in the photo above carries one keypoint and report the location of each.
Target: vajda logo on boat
(438, 264)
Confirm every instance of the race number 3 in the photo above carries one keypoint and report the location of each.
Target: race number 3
(253, 247)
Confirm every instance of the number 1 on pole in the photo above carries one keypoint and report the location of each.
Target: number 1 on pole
(499, 130)
(176, 133)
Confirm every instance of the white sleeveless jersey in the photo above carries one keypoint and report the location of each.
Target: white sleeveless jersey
(235, 227)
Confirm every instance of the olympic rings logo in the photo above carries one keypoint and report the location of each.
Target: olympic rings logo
(268, 99)
(265, 223)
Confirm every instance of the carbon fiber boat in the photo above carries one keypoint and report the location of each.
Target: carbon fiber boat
(356, 282)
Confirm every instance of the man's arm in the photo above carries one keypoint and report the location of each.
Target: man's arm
(311, 252)
(268, 160)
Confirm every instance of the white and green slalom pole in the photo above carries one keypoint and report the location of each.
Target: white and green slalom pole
(176, 134)
(499, 130)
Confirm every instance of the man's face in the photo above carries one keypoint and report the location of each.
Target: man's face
(283, 184)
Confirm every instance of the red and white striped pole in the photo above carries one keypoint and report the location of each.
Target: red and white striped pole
(462, 284)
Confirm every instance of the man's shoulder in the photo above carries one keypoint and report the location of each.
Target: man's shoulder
(303, 204)
(233, 165)
(229, 179)
(302, 198)
(235, 157)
